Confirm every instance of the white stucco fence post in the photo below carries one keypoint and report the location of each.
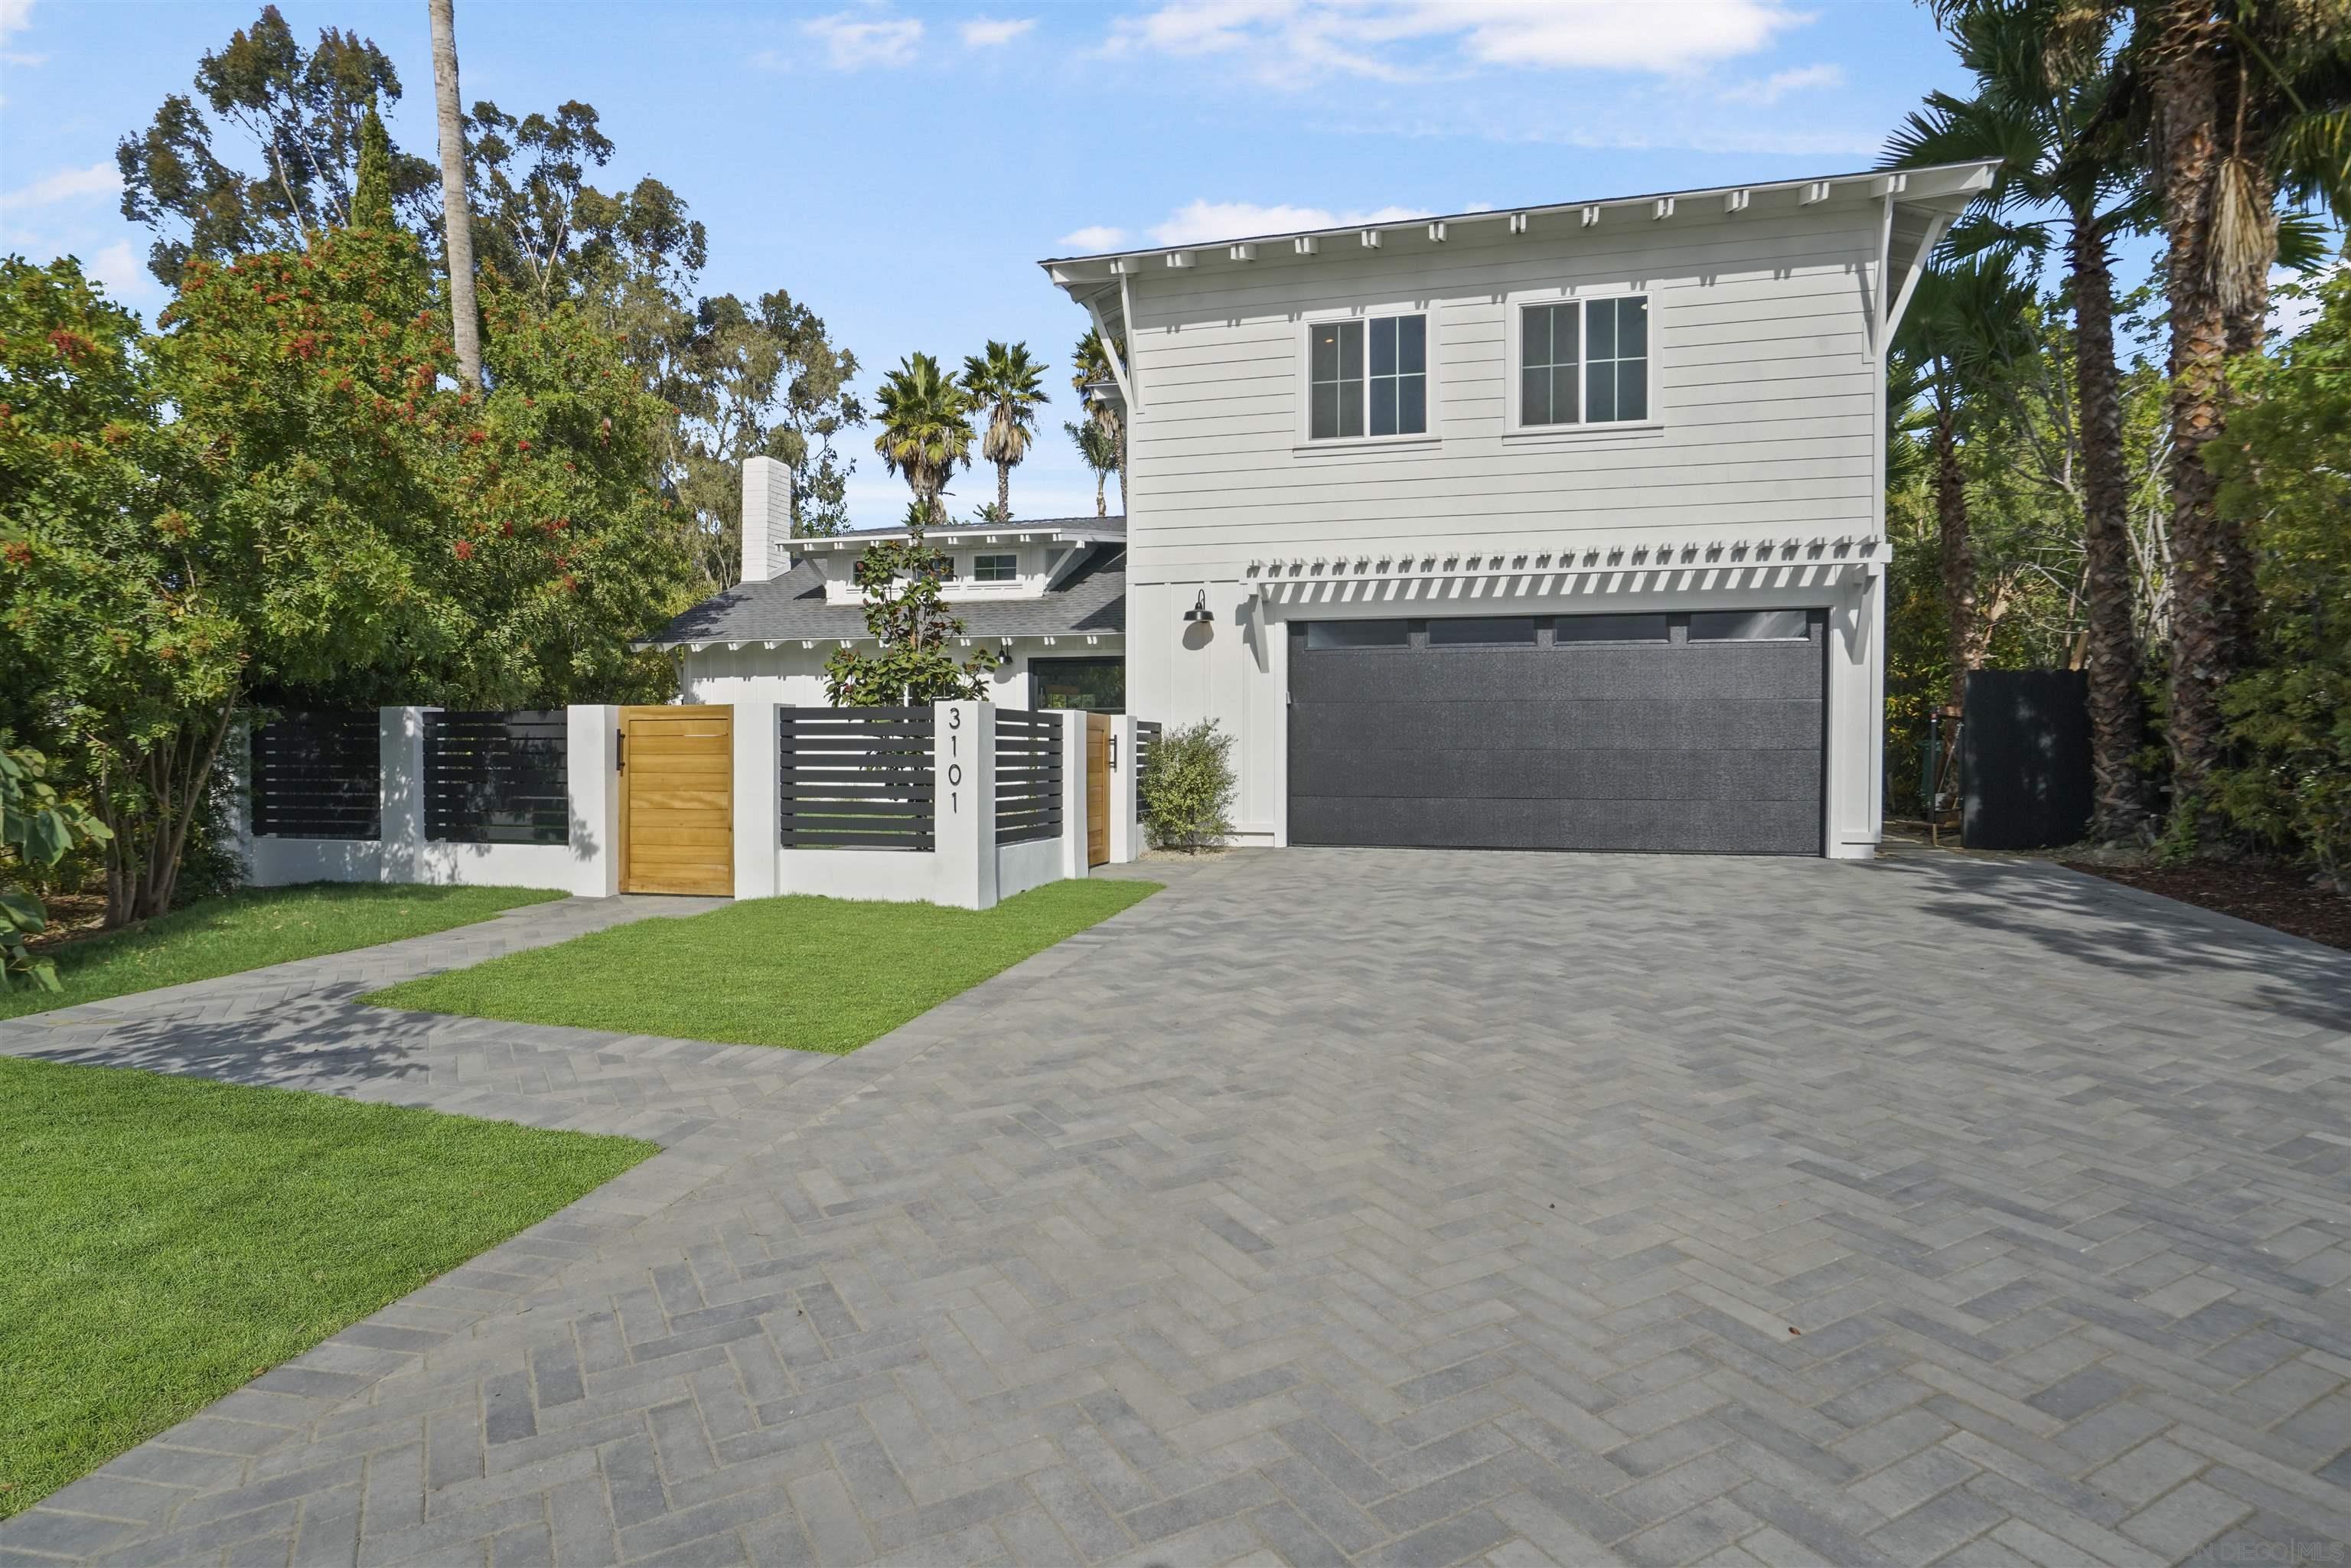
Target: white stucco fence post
(399, 733)
(1125, 833)
(1073, 792)
(592, 752)
(963, 762)
(758, 801)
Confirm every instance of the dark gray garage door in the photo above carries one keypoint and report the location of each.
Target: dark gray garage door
(1697, 732)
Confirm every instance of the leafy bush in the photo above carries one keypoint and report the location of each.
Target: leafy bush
(2285, 471)
(1187, 787)
(37, 826)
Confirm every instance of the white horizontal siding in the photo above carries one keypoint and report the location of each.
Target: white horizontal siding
(1765, 393)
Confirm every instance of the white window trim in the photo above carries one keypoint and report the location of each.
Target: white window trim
(1517, 428)
(1307, 441)
(976, 580)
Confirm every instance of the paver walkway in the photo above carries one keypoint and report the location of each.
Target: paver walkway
(1403, 1209)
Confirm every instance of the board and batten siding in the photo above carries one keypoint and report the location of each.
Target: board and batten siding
(1764, 419)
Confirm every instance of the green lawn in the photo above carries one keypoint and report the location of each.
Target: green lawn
(817, 974)
(164, 1239)
(256, 926)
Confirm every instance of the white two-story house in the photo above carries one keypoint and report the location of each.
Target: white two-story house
(1555, 527)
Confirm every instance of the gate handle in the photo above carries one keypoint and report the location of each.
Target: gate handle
(620, 751)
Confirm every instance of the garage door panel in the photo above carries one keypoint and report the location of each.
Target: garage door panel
(1666, 745)
(1372, 772)
(1538, 726)
(1704, 827)
(1651, 673)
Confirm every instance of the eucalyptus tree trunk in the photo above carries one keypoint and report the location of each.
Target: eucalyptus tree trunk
(2117, 726)
(456, 213)
(2204, 652)
(1957, 552)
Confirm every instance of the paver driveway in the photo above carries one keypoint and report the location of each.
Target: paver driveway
(1412, 1208)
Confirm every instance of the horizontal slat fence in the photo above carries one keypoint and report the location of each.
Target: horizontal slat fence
(1028, 775)
(1147, 740)
(498, 778)
(318, 776)
(856, 777)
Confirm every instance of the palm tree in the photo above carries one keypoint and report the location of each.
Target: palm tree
(2063, 152)
(1090, 368)
(2243, 100)
(1099, 449)
(1967, 320)
(456, 216)
(925, 417)
(1008, 386)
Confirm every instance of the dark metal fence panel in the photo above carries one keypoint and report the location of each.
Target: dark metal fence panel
(498, 778)
(2025, 759)
(1028, 775)
(317, 775)
(857, 777)
(1146, 741)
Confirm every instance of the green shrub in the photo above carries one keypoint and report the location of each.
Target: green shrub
(1187, 786)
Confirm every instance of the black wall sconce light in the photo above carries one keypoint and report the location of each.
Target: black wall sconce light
(1200, 614)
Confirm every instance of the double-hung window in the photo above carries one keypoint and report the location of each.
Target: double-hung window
(1367, 378)
(1584, 361)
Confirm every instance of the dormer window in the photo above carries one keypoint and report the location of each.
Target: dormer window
(996, 567)
(1368, 377)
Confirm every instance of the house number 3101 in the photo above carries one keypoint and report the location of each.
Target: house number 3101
(955, 768)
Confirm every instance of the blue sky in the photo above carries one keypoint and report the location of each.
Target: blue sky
(902, 167)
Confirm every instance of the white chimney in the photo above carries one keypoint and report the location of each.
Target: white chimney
(766, 518)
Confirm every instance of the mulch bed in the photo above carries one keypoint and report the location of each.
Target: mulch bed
(70, 915)
(2277, 897)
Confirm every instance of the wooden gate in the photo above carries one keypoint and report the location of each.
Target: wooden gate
(1097, 789)
(677, 799)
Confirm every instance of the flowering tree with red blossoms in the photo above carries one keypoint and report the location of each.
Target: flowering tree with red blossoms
(283, 498)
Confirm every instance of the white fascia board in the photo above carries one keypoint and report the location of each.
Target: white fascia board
(1917, 186)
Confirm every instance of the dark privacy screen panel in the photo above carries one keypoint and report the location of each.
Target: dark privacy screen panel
(318, 776)
(498, 778)
(857, 777)
(1028, 775)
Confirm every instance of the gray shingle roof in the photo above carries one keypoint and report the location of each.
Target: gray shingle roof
(1092, 599)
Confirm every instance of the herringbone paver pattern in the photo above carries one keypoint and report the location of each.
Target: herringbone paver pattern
(1408, 1208)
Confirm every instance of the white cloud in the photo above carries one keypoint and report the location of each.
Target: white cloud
(126, 278)
(15, 16)
(1092, 237)
(1298, 40)
(98, 180)
(987, 32)
(1779, 84)
(1199, 220)
(852, 45)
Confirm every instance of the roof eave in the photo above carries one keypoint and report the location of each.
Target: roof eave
(1933, 184)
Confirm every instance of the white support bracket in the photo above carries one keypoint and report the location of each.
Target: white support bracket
(1126, 386)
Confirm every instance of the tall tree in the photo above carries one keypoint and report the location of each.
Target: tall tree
(371, 188)
(456, 213)
(1967, 319)
(1098, 449)
(2239, 92)
(301, 110)
(1089, 370)
(2061, 150)
(278, 501)
(764, 381)
(926, 433)
(1007, 387)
